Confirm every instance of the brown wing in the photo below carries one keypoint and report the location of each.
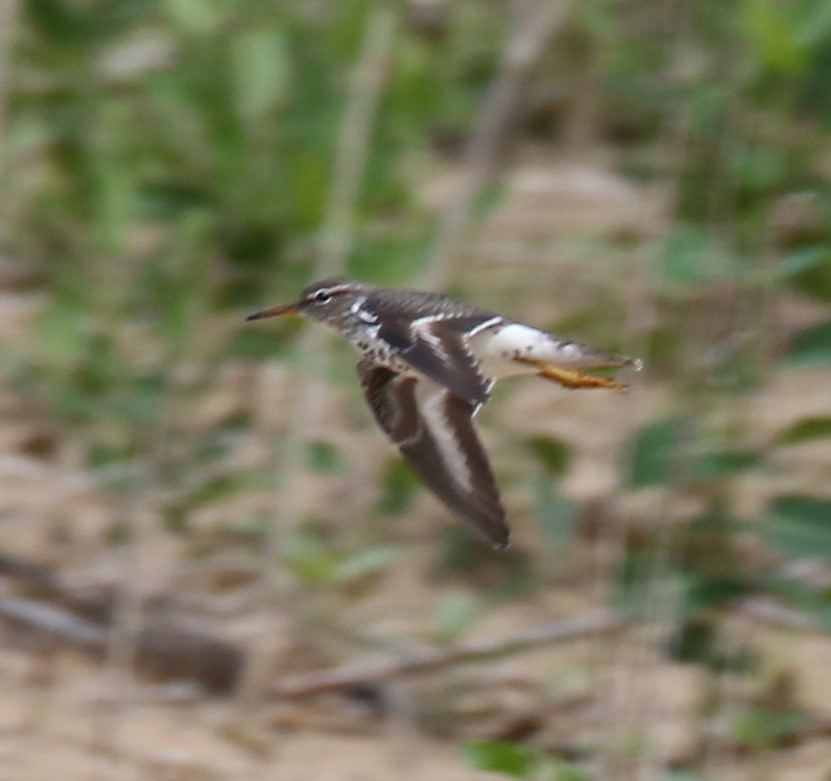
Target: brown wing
(437, 438)
(436, 344)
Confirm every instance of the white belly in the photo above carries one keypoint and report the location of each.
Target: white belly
(501, 348)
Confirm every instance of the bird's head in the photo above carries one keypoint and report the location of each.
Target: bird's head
(326, 300)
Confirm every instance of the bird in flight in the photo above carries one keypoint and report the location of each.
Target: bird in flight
(428, 365)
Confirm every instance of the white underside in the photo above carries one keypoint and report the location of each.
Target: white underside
(498, 349)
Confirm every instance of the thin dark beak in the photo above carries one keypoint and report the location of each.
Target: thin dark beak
(277, 311)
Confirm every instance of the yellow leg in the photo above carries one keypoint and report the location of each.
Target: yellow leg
(572, 378)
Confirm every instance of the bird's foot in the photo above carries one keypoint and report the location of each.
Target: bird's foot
(570, 378)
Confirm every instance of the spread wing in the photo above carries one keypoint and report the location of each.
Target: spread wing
(435, 344)
(435, 434)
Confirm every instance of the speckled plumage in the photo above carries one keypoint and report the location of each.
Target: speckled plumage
(407, 337)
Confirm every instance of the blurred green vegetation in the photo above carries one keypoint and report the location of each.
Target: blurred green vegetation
(168, 164)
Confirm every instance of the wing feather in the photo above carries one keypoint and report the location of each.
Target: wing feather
(437, 438)
(437, 346)
(430, 332)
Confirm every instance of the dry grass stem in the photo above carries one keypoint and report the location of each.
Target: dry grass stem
(308, 399)
(426, 661)
(534, 30)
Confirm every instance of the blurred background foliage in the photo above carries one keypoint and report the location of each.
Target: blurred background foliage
(167, 166)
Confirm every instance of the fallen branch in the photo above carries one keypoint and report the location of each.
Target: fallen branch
(52, 622)
(770, 611)
(165, 647)
(309, 684)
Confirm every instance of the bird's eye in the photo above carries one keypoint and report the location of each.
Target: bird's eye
(322, 297)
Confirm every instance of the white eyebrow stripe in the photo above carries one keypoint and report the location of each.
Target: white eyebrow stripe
(334, 289)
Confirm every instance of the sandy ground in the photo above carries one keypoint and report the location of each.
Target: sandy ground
(64, 715)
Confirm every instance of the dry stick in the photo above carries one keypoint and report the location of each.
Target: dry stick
(640, 316)
(482, 152)
(353, 143)
(425, 661)
(336, 235)
(123, 640)
(8, 16)
(718, 756)
(129, 632)
(753, 310)
(107, 713)
(662, 598)
(53, 622)
(721, 209)
(165, 647)
(308, 399)
(335, 241)
(770, 611)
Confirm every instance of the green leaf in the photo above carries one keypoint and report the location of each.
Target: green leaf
(809, 270)
(170, 199)
(801, 526)
(761, 728)
(113, 197)
(258, 344)
(805, 430)
(773, 35)
(65, 23)
(660, 446)
(655, 452)
(558, 515)
(811, 347)
(685, 253)
(553, 454)
(141, 400)
(260, 67)
(804, 259)
(456, 612)
(195, 17)
(815, 23)
(398, 485)
(724, 462)
(324, 457)
(307, 557)
(368, 562)
(759, 169)
(704, 591)
(802, 596)
(566, 771)
(695, 640)
(635, 577)
(692, 255)
(501, 757)
(64, 336)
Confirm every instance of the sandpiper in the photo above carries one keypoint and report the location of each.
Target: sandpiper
(428, 364)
